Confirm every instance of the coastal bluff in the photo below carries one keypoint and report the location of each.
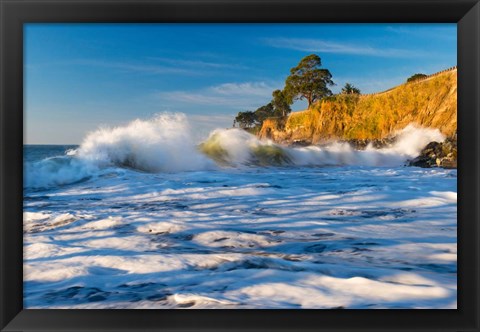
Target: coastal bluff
(428, 102)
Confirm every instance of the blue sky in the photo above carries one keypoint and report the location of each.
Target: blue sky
(79, 77)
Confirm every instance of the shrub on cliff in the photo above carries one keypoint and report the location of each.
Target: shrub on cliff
(280, 103)
(245, 120)
(350, 89)
(277, 108)
(264, 112)
(416, 77)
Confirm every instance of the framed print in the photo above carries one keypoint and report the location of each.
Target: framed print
(307, 165)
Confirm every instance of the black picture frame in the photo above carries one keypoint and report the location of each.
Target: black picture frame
(15, 13)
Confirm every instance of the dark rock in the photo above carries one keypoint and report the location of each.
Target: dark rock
(361, 144)
(437, 154)
(300, 143)
(358, 144)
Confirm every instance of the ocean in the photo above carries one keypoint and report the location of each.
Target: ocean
(143, 216)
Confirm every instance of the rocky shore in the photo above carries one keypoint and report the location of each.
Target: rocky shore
(437, 155)
(361, 144)
(357, 144)
(373, 119)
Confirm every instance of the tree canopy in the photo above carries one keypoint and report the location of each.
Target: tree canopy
(264, 112)
(350, 89)
(278, 107)
(245, 119)
(280, 103)
(416, 77)
(251, 119)
(308, 81)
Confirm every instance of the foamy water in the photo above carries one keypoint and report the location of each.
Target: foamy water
(164, 144)
(140, 216)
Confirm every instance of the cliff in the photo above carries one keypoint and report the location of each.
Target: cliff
(430, 102)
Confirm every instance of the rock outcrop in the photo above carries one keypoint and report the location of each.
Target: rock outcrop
(431, 102)
(437, 154)
(374, 118)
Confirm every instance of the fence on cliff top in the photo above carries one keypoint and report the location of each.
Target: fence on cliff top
(414, 82)
(391, 89)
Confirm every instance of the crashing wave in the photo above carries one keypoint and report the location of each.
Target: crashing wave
(164, 144)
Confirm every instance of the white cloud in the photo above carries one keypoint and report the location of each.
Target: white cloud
(448, 32)
(318, 45)
(136, 67)
(154, 66)
(238, 96)
(197, 63)
(248, 88)
(125, 66)
(194, 98)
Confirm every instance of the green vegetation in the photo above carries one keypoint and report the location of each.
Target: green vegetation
(308, 81)
(264, 112)
(349, 89)
(428, 103)
(245, 120)
(253, 121)
(416, 77)
(280, 103)
(350, 115)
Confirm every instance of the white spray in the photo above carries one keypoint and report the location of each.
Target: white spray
(162, 144)
(410, 141)
(165, 144)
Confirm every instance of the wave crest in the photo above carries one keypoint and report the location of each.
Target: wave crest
(237, 147)
(162, 144)
(165, 144)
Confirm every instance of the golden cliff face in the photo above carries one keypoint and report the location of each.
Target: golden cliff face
(431, 102)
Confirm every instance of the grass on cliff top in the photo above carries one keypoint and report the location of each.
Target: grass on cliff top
(429, 103)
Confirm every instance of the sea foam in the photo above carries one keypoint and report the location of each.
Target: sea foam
(237, 147)
(161, 144)
(165, 144)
